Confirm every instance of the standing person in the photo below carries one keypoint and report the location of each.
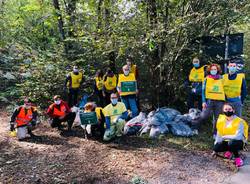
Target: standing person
(60, 112)
(110, 83)
(98, 86)
(115, 115)
(24, 117)
(232, 133)
(235, 88)
(132, 67)
(196, 77)
(127, 89)
(73, 81)
(213, 95)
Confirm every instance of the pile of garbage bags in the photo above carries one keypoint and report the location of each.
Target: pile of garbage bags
(162, 121)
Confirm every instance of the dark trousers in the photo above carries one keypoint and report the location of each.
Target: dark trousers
(192, 99)
(107, 98)
(233, 146)
(72, 96)
(100, 98)
(56, 122)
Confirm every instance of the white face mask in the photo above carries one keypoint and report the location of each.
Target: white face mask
(126, 72)
(114, 101)
(57, 102)
(75, 70)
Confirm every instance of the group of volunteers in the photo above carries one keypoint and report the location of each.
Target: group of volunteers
(221, 96)
(215, 94)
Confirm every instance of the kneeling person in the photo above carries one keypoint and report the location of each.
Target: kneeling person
(232, 133)
(60, 112)
(25, 118)
(115, 115)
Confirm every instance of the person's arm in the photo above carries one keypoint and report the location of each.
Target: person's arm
(239, 134)
(34, 114)
(204, 91)
(107, 121)
(50, 111)
(124, 115)
(243, 90)
(68, 79)
(14, 115)
(68, 110)
(218, 139)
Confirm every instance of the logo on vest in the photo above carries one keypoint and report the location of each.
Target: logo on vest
(215, 89)
(115, 112)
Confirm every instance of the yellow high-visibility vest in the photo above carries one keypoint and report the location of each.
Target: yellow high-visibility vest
(99, 83)
(133, 70)
(75, 80)
(232, 88)
(197, 75)
(114, 111)
(110, 83)
(214, 89)
(231, 129)
(127, 79)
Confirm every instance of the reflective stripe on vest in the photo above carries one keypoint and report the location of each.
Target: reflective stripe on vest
(214, 89)
(99, 83)
(61, 112)
(110, 83)
(232, 88)
(129, 78)
(197, 75)
(232, 128)
(22, 118)
(76, 79)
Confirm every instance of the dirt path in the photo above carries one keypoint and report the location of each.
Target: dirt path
(52, 158)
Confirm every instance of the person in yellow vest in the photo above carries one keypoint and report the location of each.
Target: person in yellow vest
(98, 86)
(235, 87)
(115, 115)
(109, 85)
(213, 95)
(73, 81)
(127, 89)
(232, 134)
(132, 67)
(195, 79)
(24, 119)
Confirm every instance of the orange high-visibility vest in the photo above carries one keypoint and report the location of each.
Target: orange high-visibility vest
(24, 118)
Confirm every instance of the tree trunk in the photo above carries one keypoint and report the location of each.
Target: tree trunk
(59, 19)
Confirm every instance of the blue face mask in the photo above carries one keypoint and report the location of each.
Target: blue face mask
(213, 72)
(114, 101)
(196, 65)
(232, 69)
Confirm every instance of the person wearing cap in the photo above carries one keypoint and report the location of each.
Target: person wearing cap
(195, 79)
(232, 134)
(98, 86)
(73, 81)
(127, 89)
(235, 87)
(60, 112)
(109, 85)
(24, 118)
(115, 115)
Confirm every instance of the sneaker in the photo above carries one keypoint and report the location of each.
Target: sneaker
(238, 162)
(228, 155)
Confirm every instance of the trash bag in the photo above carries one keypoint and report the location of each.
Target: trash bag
(166, 114)
(180, 129)
(134, 125)
(183, 118)
(194, 113)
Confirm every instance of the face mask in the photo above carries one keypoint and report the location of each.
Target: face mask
(213, 72)
(126, 72)
(229, 113)
(57, 102)
(232, 69)
(196, 65)
(26, 106)
(75, 70)
(114, 101)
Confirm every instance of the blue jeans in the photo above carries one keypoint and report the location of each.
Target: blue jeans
(130, 103)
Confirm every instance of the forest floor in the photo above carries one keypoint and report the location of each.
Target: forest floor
(53, 158)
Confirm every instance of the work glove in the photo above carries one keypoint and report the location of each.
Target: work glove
(12, 126)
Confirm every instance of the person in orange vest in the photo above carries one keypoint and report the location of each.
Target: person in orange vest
(98, 86)
(195, 79)
(60, 112)
(232, 134)
(24, 118)
(73, 81)
(127, 89)
(235, 87)
(109, 85)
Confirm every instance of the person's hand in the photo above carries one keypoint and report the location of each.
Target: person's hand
(12, 126)
(204, 105)
(193, 90)
(103, 94)
(137, 92)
